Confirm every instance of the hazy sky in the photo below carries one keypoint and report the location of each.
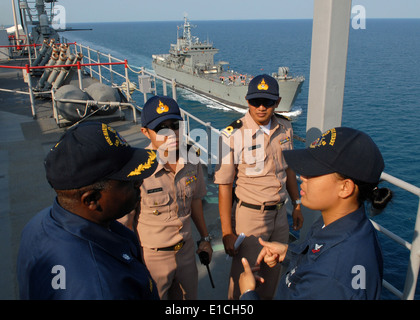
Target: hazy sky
(165, 10)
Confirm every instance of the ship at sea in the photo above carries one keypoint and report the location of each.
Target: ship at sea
(190, 62)
(33, 117)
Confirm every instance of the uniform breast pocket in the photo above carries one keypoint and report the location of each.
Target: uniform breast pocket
(155, 207)
(185, 194)
(187, 184)
(254, 162)
(189, 190)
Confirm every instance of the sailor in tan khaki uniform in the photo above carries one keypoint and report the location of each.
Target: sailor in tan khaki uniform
(170, 198)
(251, 157)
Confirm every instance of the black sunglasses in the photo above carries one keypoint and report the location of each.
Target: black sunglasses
(262, 101)
(174, 125)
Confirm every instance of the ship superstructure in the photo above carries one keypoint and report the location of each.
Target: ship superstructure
(190, 62)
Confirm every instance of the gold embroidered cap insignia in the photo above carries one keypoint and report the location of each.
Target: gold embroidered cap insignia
(162, 108)
(262, 85)
(144, 166)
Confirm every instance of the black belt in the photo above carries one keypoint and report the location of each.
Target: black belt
(257, 207)
(176, 247)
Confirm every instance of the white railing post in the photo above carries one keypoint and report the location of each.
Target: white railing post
(110, 69)
(99, 67)
(414, 262)
(79, 74)
(89, 61)
(165, 90)
(209, 166)
(174, 89)
(31, 94)
(127, 81)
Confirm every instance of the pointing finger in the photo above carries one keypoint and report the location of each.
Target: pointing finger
(246, 266)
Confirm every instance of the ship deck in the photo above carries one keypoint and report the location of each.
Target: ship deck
(24, 142)
(228, 77)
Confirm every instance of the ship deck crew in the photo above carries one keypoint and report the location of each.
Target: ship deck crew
(341, 256)
(170, 199)
(75, 249)
(252, 158)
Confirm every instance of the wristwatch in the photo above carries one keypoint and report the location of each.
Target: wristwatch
(208, 238)
(296, 202)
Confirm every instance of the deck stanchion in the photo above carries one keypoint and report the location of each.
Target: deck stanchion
(31, 94)
(174, 89)
(127, 80)
(79, 72)
(209, 167)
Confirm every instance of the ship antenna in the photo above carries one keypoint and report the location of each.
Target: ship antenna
(187, 31)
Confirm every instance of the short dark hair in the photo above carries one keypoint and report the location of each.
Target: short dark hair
(66, 198)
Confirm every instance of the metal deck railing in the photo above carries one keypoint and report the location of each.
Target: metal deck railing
(148, 84)
(414, 247)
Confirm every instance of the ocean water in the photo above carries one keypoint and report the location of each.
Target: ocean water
(382, 93)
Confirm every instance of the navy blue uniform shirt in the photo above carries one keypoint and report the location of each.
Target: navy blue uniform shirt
(340, 261)
(64, 256)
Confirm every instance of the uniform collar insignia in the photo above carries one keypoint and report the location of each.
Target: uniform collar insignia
(317, 248)
(227, 132)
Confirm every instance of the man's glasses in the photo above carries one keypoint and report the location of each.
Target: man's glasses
(262, 101)
(173, 126)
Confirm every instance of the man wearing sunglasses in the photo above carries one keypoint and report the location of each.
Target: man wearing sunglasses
(170, 199)
(252, 159)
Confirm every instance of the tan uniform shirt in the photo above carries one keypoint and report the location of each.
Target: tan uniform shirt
(255, 160)
(166, 199)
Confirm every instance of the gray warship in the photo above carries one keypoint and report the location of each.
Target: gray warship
(191, 63)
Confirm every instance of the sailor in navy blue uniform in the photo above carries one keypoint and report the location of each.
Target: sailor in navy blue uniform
(340, 261)
(75, 249)
(340, 257)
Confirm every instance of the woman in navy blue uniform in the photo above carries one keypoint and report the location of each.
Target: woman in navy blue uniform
(340, 257)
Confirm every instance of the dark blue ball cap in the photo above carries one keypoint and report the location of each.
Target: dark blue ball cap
(263, 86)
(93, 151)
(347, 151)
(158, 109)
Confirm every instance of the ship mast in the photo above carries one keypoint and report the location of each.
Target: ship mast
(187, 32)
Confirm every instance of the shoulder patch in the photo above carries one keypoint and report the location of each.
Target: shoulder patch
(227, 132)
(196, 149)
